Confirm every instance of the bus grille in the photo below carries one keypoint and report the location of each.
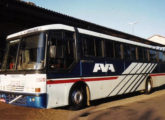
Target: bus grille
(15, 88)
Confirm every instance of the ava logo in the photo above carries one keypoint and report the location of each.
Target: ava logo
(103, 67)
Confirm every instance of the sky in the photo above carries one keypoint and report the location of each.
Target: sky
(143, 18)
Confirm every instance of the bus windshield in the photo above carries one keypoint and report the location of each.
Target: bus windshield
(25, 54)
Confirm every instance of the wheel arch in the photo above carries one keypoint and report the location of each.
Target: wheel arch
(85, 86)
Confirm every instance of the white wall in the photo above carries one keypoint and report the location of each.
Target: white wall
(157, 39)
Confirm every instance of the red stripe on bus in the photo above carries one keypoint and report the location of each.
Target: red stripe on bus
(75, 80)
(160, 74)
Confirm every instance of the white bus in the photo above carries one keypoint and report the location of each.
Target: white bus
(59, 65)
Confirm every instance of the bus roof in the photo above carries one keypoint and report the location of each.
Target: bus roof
(41, 28)
(80, 30)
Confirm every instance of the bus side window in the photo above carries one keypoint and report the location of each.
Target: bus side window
(91, 46)
(152, 54)
(69, 53)
(146, 56)
(109, 49)
(88, 49)
(133, 52)
(161, 56)
(118, 51)
(142, 54)
(129, 52)
(98, 47)
(157, 56)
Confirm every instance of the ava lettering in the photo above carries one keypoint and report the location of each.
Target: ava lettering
(103, 67)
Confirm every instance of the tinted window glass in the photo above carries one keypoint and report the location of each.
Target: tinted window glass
(63, 43)
(98, 47)
(152, 55)
(129, 52)
(109, 49)
(142, 54)
(161, 57)
(145, 55)
(118, 51)
(133, 52)
(91, 46)
(88, 46)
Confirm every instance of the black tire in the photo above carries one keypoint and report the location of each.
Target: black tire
(148, 88)
(78, 98)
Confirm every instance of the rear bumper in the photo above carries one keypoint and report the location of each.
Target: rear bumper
(29, 100)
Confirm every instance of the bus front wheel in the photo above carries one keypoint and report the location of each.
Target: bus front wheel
(78, 98)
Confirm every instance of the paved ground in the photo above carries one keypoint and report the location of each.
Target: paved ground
(128, 107)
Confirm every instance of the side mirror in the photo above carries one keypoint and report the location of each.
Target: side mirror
(52, 51)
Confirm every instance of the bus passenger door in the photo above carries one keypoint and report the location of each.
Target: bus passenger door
(61, 66)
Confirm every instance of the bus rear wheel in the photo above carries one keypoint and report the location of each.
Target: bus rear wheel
(78, 98)
(148, 87)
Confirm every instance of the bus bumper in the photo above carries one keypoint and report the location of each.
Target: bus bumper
(29, 100)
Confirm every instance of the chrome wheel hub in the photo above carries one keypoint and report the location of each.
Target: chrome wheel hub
(78, 97)
(149, 86)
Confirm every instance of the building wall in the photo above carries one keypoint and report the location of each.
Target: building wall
(157, 39)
